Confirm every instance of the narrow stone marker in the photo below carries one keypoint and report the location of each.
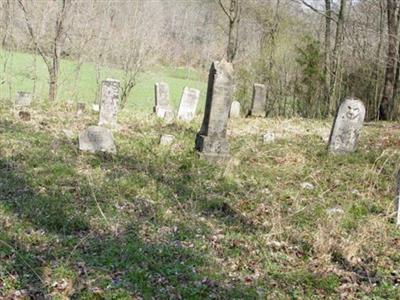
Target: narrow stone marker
(258, 101)
(162, 107)
(109, 102)
(80, 108)
(397, 204)
(235, 110)
(187, 107)
(96, 138)
(347, 127)
(23, 99)
(211, 141)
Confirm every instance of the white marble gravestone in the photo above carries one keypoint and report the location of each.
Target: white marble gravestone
(23, 99)
(235, 110)
(347, 126)
(258, 100)
(162, 108)
(97, 139)
(211, 141)
(109, 102)
(187, 107)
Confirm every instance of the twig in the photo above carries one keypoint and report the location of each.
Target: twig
(95, 199)
(23, 260)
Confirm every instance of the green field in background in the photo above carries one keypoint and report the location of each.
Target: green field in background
(24, 71)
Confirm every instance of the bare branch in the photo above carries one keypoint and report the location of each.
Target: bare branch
(315, 10)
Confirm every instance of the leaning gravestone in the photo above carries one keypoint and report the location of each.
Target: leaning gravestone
(258, 101)
(162, 107)
(347, 127)
(188, 105)
(235, 110)
(23, 99)
(211, 141)
(397, 204)
(109, 102)
(96, 138)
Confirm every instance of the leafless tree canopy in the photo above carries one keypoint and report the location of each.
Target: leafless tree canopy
(310, 53)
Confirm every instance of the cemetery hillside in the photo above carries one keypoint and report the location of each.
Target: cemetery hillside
(214, 149)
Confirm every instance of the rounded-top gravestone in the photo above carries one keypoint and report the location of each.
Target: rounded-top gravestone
(347, 126)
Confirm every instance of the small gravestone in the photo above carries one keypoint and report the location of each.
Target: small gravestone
(162, 107)
(23, 99)
(268, 138)
(398, 200)
(97, 139)
(235, 110)
(109, 102)
(80, 108)
(258, 100)
(211, 141)
(167, 139)
(69, 134)
(188, 105)
(347, 127)
(95, 107)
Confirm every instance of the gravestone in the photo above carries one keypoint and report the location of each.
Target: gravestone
(211, 141)
(167, 139)
(80, 108)
(96, 138)
(347, 127)
(109, 102)
(235, 110)
(268, 137)
(188, 105)
(258, 100)
(397, 204)
(162, 107)
(95, 107)
(23, 99)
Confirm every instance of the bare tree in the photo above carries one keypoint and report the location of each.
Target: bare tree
(51, 55)
(233, 13)
(387, 101)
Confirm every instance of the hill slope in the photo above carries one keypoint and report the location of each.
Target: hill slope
(284, 220)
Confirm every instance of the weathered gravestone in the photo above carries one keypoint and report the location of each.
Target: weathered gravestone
(162, 107)
(96, 138)
(23, 99)
(258, 100)
(211, 140)
(109, 102)
(235, 110)
(167, 139)
(347, 126)
(188, 105)
(397, 204)
(80, 108)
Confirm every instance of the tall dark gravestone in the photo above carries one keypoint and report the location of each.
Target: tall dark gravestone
(211, 141)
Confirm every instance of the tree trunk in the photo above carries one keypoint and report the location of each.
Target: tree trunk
(387, 100)
(327, 42)
(233, 14)
(53, 79)
(337, 58)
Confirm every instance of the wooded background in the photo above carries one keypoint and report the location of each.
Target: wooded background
(310, 54)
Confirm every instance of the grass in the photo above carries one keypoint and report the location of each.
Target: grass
(157, 222)
(24, 71)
